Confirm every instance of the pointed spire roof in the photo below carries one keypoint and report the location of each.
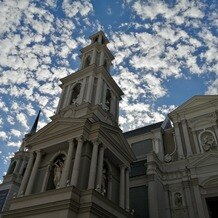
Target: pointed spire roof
(34, 127)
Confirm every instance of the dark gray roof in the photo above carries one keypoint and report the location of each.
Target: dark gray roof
(142, 130)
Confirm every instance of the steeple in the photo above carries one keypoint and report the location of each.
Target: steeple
(34, 127)
(91, 90)
(81, 158)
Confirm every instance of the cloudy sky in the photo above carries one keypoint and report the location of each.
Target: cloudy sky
(165, 52)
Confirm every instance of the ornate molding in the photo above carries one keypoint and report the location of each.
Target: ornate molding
(209, 118)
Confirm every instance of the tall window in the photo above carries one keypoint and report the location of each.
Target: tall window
(75, 93)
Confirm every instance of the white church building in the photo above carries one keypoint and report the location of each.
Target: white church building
(81, 164)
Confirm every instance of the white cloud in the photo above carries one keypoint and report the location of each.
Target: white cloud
(71, 8)
(21, 118)
(15, 132)
(3, 135)
(213, 88)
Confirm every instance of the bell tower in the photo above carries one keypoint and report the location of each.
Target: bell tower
(78, 164)
(91, 89)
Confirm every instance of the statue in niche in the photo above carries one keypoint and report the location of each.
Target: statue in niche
(104, 182)
(58, 168)
(178, 199)
(207, 141)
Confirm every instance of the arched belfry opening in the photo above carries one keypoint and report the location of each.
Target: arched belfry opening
(11, 168)
(75, 93)
(108, 100)
(56, 170)
(87, 61)
(106, 65)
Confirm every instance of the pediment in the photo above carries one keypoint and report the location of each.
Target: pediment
(195, 102)
(116, 137)
(56, 128)
(207, 160)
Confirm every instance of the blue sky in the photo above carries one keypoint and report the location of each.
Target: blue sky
(165, 52)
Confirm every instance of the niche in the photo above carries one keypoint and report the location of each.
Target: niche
(56, 172)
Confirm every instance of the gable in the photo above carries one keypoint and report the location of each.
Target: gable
(56, 128)
(196, 102)
(115, 137)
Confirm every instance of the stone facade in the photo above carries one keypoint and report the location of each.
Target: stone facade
(82, 165)
(181, 160)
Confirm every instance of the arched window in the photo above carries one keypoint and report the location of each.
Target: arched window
(108, 100)
(87, 61)
(75, 93)
(11, 168)
(56, 172)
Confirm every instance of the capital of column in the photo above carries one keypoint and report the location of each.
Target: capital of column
(70, 142)
(122, 166)
(80, 139)
(96, 142)
(39, 152)
(102, 147)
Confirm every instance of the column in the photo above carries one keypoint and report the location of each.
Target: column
(100, 166)
(77, 160)
(89, 89)
(196, 142)
(17, 166)
(122, 185)
(33, 173)
(22, 166)
(66, 100)
(153, 200)
(67, 164)
(187, 139)
(127, 189)
(61, 100)
(93, 56)
(188, 198)
(99, 90)
(26, 175)
(46, 177)
(101, 58)
(82, 62)
(178, 141)
(92, 171)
